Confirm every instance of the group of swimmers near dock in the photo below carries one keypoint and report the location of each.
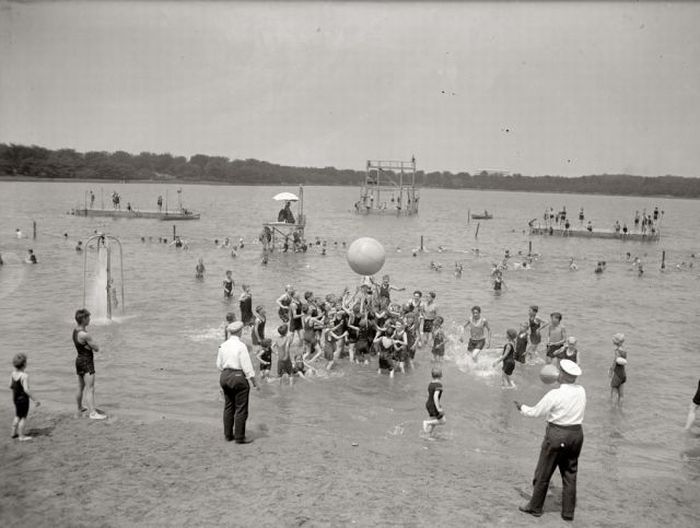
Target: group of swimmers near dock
(644, 223)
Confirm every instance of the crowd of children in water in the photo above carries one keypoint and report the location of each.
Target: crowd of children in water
(367, 325)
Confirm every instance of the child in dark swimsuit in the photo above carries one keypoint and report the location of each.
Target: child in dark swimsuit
(265, 358)
(19, 384)
(618, 374)
(508, 359)
(433, 405)
(438, 340)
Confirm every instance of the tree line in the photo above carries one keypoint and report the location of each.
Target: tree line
(39, 162)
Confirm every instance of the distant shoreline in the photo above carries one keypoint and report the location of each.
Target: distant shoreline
(9, 179)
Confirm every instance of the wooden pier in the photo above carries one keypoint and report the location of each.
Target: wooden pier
(133, 213)
(595, 233)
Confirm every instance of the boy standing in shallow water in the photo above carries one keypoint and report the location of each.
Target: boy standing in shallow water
(433, 405)
(438, 340)
(19, 385)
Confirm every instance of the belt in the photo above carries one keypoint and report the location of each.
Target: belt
(234, 370)
(576, 427)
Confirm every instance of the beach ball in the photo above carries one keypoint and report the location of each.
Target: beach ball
(366, 256)
(549, 374)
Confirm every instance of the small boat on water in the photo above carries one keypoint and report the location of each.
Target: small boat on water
(482, 216)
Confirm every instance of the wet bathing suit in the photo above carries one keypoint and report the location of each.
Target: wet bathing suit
(228, 288)
(508, 361)
(535, 337)
(84, 363)
(521, 347)
(266, 355)
(619, 376)
(296, 324)
(20, 398)
(283, 311)
(433, 387)
(246, 306)
(439, 344)
(260, 329)
(284, 366)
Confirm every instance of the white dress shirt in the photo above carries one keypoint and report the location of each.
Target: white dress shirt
(233, 354)
(562, 406)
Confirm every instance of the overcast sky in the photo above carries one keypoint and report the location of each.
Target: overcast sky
(542, 88)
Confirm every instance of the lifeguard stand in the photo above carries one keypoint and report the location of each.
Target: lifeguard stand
(389, 188)
(276, 236)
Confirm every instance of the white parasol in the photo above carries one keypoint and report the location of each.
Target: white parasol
(286, 197)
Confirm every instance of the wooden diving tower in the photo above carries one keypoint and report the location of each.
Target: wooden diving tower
(389, 188)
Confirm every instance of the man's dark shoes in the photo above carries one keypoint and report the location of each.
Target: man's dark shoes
(245, 441)
(526, 509)
(567, 517)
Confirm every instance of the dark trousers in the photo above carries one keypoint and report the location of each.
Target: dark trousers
(560, 448)
(236, 390)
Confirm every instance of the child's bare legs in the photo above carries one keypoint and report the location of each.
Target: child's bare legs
(531, 353)
(18, 429)
(15, 424)
(429, 425)
(351, 351)
(402, 367)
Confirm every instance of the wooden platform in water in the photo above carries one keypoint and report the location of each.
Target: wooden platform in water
(120, 213)
(596, 233)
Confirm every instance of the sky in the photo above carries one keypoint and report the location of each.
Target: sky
(535, 88)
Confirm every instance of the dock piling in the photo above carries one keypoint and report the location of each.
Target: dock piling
(663, 259)
(476, 233)
(33, 229)
(421, 242)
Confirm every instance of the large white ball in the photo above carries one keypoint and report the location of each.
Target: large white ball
(366, 256)
(549, 374)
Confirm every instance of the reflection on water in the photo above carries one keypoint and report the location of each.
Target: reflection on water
(159, 358)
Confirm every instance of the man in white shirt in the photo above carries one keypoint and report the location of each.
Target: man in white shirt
(236, 370)
(564, 408)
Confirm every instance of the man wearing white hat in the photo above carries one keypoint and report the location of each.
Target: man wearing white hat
(564, 408)
(236, 370)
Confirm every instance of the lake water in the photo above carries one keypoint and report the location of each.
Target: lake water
(158, 358)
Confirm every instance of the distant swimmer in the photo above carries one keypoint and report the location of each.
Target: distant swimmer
(18, 233)
(458, 269)
(31, 257)
(589, 227)
(498, 283)
(599, 268)
(572, 265)
(228, 285)
(79, 246)
(199, 269)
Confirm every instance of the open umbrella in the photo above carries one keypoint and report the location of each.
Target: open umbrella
(285, 197)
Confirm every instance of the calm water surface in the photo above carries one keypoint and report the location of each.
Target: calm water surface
(158, 358)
